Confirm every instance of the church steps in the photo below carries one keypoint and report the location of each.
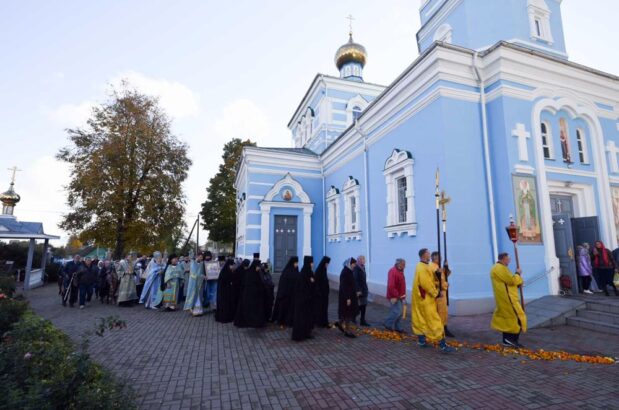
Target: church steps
(607, 307)
(604, 317)
(594, 325)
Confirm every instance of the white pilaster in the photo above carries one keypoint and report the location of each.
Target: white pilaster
(307, 231)
(265, 238)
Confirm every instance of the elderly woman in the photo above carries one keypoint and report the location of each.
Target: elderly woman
(604, 266)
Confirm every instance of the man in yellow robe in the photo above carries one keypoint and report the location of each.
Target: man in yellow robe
(508, 317)
(427, 324)
(442, 285)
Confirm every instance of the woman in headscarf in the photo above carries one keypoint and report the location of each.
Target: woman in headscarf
(594, 287)
(226, 301)
(171, 283)
(151, 293)
(283, 312)
(304, 294)
(348, 306)
(194, 285)
(250, 312)
(604, 266)
(321, 302)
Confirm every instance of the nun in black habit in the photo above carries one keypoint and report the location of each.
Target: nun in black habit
(237, 284)
(304, 295)
(347, 306)
(283, 311)
(250, 312)
(226, 305)
(269, 291)
(321, 302)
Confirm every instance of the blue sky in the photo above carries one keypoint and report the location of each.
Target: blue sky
(221, 70)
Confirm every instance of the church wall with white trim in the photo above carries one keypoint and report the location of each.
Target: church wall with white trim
(367, 186)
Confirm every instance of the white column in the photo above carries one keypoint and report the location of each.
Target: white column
(523, 135)
(388, 184)
(29, 265)
(265, 236)
(307, 230)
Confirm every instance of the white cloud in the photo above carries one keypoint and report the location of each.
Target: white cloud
(72, 115)
(242, 119)
(178, 100)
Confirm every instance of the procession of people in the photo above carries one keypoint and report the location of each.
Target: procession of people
(242, 292)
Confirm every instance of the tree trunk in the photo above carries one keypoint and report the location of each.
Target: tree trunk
(119, 249)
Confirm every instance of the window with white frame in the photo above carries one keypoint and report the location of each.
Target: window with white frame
(546, 140)
(581, 141)
(539, 20)
(398, 174)
(352, 211)
(333, 213)
(241, 217)
(354, 108)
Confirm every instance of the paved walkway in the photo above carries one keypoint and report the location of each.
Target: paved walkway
(175, 361)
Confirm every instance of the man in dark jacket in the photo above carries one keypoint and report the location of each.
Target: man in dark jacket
(361, 285)
(68, 271)
(86, 278)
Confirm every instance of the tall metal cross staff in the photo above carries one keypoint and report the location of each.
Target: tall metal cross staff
(437, 197)
(443, 201)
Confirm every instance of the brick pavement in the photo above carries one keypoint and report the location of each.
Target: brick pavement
(175, 361)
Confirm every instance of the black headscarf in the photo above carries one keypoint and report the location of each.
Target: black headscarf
(290, 265)
(322, 264)
(307, 264)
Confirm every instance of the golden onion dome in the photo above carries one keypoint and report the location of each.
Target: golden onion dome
(350, 52)
(10, 197)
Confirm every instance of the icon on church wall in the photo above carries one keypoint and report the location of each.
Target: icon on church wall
(527, 210)
(615, 193)
(564, 137)
(287, 195)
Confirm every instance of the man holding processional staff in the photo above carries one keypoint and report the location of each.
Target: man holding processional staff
(509, 316)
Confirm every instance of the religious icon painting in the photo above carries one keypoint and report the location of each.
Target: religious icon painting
(527, 210)
(287, 195)
(615, 194)
(564, 137)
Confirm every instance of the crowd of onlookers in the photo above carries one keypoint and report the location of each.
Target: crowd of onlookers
(596, 268)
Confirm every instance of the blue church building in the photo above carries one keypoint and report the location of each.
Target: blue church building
(494, 102)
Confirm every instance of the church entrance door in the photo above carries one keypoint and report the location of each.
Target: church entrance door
(285, 242)
(562, 207)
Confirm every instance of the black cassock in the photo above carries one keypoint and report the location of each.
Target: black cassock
(304, 294)
(321, 302)
(348, 290)
(237, 285)
(283, 311)
(269, 293)
(250, 312)
(226, 303)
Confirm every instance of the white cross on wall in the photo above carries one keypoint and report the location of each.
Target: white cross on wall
(522, 134)
(613, 150)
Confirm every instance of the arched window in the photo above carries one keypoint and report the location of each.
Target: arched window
(583, 155)
(547, 140)
(356, 112)
(401, 216)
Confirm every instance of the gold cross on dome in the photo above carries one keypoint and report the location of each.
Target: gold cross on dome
(14, 171)
(350, 18)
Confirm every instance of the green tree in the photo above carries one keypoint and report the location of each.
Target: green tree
(219, 210)
(126, 174)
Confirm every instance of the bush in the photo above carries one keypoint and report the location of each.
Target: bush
(39, 369)
(11, 310)
(7, 285)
